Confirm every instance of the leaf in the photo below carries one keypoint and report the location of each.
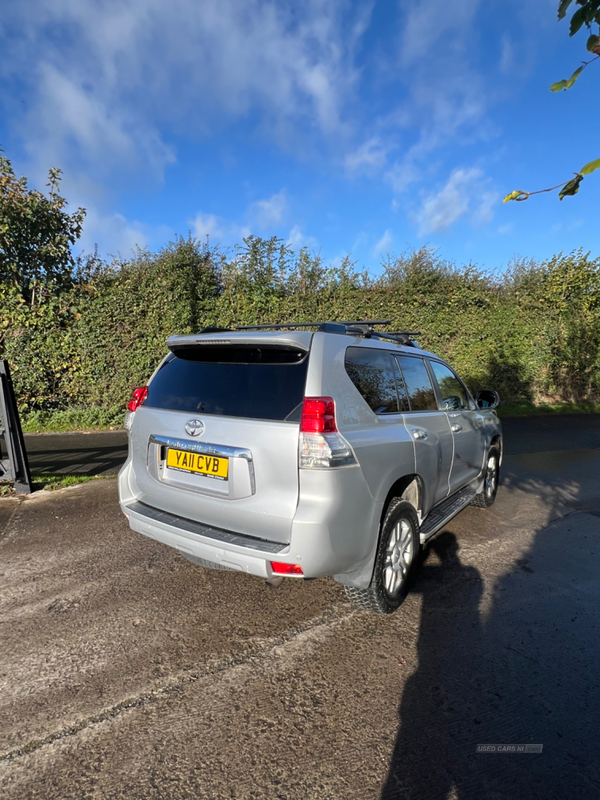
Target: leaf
(593, 43)
(516, 195)
(571, 188)
(556, 87)
(562, 8)
(577, 20)
(590, 167)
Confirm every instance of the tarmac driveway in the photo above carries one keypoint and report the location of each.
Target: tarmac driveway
(127, 672)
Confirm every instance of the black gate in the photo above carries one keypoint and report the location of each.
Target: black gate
(13, 456)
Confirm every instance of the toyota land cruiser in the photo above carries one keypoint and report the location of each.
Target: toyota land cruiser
(307, 450)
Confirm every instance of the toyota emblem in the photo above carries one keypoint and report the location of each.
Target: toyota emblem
(194, 427)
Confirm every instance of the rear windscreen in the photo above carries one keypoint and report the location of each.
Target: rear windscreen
(232, 381)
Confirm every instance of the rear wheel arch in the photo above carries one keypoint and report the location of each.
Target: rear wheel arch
(395, 559)
(408, 488)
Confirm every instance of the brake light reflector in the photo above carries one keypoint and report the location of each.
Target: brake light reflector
(137, 398)
(318, 415)
(279, 568)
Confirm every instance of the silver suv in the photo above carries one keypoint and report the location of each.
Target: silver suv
(289, 451)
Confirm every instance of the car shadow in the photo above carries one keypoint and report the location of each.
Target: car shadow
(437, 709)
(516, 665)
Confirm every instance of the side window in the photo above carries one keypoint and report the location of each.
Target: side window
(418, 384)
(372, 374)
(453, 392)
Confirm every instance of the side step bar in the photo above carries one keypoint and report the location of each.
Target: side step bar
(444, 512)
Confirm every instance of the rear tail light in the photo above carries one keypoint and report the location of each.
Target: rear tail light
(321, 445)
(279, 568)
(137, 398)
(318, 415)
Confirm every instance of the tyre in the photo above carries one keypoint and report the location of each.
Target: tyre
(202, 562)
(486, 497)
(396, 556)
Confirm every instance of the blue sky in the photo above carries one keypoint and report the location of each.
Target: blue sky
(350, 127)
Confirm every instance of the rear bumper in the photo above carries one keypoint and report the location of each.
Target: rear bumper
(334, 530)
(222, 547)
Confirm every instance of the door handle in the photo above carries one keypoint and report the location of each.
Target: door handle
(419, 434)
(456, 428)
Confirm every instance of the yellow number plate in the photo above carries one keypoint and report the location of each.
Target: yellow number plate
(210, 466)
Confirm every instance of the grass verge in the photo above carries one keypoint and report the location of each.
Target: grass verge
(49, 481)
(526, 409)
(72, 419)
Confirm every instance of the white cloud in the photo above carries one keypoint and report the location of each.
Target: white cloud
(383, 245)
(297, 239)
(432, 23)
(368, 158)
(269, 213)
(113, 233)
(117, 236)
(122, 76)
(445, 96)
(466, 190)
(401, 175)
(485, 202)
(218, 229)
(361, 239)
(507, 59)
(208, 225)
(263, 214)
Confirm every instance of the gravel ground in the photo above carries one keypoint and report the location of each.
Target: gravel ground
(127, 672)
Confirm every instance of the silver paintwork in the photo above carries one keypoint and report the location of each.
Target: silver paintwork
(326, 520)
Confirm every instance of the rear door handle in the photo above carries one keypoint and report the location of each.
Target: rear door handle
(456, 428)
(419, 434)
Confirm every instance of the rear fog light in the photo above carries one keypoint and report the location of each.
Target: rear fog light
(279, 568)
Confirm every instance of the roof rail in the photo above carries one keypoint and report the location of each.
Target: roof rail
(361, 327)
(276, 326)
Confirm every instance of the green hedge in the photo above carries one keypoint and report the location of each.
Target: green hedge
(532, 333)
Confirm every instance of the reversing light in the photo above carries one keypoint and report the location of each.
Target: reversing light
(137, 398)
(318, 415)
(279, 568)
(321, 445)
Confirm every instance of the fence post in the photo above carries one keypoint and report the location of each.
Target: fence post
(16, 467)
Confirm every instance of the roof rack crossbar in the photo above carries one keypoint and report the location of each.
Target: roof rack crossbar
(400, 337)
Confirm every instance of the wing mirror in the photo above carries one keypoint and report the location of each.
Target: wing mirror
(486, 398)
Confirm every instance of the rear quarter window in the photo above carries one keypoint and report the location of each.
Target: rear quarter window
(372, 373)
(232, 381)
